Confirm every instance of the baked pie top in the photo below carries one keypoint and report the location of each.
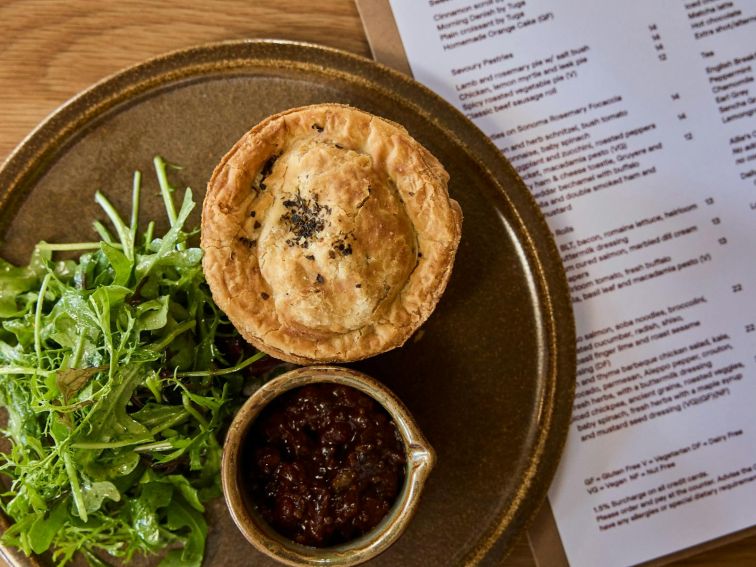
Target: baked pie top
(328, 234)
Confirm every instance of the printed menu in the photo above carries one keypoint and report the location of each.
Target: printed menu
(634, 126)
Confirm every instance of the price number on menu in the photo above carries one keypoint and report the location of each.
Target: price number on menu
(656, 40)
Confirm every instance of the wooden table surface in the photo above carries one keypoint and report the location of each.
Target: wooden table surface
(51, 49)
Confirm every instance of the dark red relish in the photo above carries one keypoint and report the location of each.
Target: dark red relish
(325, 463)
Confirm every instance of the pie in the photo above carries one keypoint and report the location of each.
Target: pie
(328, 234)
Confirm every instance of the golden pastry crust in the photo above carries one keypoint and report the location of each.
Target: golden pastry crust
(329, 234)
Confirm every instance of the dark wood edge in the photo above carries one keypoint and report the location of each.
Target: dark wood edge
(700, 548)
(545, 543)
(382, 34)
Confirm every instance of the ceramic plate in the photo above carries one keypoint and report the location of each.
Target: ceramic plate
(490, 377)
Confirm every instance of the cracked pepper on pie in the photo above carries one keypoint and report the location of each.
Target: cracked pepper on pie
(329, 234)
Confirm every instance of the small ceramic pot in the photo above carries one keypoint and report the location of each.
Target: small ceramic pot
(419, 454)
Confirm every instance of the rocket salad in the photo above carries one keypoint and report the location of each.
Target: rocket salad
(118, 374)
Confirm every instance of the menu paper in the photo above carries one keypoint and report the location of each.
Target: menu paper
(634, 126)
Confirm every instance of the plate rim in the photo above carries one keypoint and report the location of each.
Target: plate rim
(33, 156)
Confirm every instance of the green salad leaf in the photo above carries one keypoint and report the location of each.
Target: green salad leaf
(118, 375)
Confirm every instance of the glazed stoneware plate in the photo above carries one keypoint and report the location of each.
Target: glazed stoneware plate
(490, 376)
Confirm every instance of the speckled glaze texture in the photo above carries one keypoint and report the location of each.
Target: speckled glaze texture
(490, 376)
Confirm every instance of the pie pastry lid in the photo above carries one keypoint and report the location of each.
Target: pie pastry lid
(328, 234)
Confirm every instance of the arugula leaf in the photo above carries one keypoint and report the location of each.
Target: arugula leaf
(121, 265)
(153, 314)
(14, 283)
(72, 380)
(117, 386)
(181, 515)
(43, 529)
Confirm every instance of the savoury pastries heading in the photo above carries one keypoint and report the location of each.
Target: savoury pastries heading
(329, 234)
